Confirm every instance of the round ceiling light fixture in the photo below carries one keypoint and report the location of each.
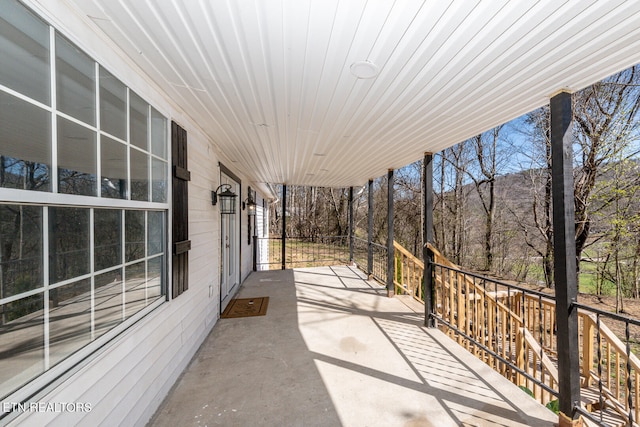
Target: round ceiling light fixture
(364, 69)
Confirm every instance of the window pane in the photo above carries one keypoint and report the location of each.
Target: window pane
(159, 183)
(139, 175)
(22, 343)
(21, 249)
(75, 82)
(108, 301)
(24, 49)
(113, 160)
(108, 238)
(155, 278)
(158, 134)
(68, 243)
(139, 111)
(134, 246)
(25, 145)
(113, 105)
(135, 297)
(76, 159)
(69, 319)
(155, 232)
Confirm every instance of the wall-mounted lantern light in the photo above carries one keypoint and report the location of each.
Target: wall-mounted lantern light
(249, 204)
(227, 199)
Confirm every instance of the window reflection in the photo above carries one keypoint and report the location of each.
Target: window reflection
(139, 175)
(134, 232)
(24, 49)
(108, 238)
(135, 297)
(138, 113)
(21, 249)
(108, 300)
(76, 159)
(69, 319)
(155, 278)
(25, 145)
(113, 161)
(75, 81)
(113, 111)
(158, 134)
(159, 183)
(155, 232)
(22, 343)
(68, 243)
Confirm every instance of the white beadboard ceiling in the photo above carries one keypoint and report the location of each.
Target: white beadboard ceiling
(269, 80)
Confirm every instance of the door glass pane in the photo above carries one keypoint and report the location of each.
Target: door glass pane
(75, 82)
(135, 297)
(22, 343)
(108, 238)
(159, 183)
(24, 49)
(25, 145)
(68, 243)
(108, 300)
(134, 229)
(158, 134)
(69, 319)
(113, 162)
(113, 102)
(76, 159)
(139, 175)
(21, 249)
(139, 111)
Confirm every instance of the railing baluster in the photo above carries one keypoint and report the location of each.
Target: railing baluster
(629, 395)
(509, 320)
(495, 342)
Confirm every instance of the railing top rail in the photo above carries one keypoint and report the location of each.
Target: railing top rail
(302, 237)
(616, 342)
(505, 284)
(408, 254)
(377, 245)
(614, 316)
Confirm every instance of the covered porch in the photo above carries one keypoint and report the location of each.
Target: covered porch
(333, 349)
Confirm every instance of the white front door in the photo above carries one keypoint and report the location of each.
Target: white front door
(229, 261)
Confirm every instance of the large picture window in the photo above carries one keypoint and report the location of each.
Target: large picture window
(82, 260)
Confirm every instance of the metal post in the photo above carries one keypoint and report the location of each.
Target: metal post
(427, 232)
(284, 225)
(390, 251)
(255, 253)
(564, 252)
(370, 231)
(351, 231)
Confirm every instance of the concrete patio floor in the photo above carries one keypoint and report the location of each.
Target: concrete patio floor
(333, 350)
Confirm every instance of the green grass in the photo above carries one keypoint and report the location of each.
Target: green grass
(588, 281)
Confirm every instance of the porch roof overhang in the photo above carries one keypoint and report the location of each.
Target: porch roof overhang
(271, 82)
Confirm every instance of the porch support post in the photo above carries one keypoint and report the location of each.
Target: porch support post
(427, 232)
(284, 225)
(390, 251)
(370, 231)
(564, 253)
(351, 225)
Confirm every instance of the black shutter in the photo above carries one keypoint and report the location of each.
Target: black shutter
(180, 239)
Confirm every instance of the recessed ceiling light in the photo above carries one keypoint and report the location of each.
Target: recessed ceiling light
(364, 69)
(319, 154)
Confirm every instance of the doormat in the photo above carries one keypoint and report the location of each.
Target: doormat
(246, 307)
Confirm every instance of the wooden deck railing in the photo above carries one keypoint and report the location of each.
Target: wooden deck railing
(513, 329)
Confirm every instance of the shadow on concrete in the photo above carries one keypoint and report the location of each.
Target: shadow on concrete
(334, 350)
